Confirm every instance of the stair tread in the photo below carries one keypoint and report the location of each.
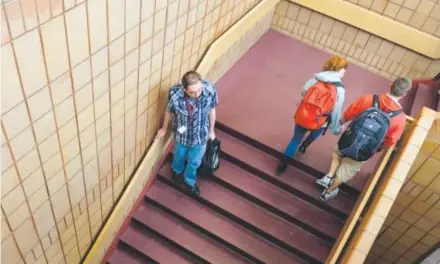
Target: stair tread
(266, 221)
(293, 177)
(283, 201)
(185, 236)
(299, 164)
(220, 226)
(152, 247)
(122, 256)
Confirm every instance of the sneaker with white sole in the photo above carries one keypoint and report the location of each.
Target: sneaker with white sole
(325, 196)
(324, 181)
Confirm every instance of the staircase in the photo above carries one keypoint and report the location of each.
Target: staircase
(245, 214)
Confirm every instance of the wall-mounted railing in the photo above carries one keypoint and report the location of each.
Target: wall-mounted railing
(353, 245)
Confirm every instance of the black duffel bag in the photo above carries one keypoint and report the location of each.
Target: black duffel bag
(211, 159)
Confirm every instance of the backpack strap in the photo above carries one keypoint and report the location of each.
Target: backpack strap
(395, 113)
(376, 103)
(329, 114)
(337, 84)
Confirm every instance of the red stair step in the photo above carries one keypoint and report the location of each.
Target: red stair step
(293, 177)
(220, 226)
(121, 256)
(185, 236)
(260, 218)
(279, 199)
(152, 246)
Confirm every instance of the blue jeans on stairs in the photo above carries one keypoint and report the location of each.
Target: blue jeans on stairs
(195, 156)
(297, 138)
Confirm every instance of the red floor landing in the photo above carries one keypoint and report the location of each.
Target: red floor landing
(259, 95)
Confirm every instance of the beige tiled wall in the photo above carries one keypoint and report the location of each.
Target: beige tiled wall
(83, 82)
(359, 47)
(423, 15)
(413, 225)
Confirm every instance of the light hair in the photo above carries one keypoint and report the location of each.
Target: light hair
(400, 86)
(335, 63)
(190, 78)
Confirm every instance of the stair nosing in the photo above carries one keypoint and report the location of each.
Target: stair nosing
(284, 186)
(280, 213)
(277, 154)
(146, 231)
(168, 241)
(233, 238)
(202, 230)
(126, 244)
(272, 239)
(300, 223)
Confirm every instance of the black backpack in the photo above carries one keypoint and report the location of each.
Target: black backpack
(211, 159)
(365, 135)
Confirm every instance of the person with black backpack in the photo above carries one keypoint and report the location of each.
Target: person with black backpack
(377, 122)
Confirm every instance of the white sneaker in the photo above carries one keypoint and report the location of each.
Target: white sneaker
(325, 196)
(324, 181)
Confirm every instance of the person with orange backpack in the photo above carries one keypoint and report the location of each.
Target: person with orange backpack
(323, 97)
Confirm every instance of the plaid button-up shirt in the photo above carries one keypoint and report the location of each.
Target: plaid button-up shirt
(197, 125)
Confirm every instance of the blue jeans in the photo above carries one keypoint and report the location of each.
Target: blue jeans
(297, 138)
(195, 156)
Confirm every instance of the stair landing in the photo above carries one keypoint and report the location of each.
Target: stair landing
(259, 95)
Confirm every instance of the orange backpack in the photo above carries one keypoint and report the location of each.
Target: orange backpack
(316, 106)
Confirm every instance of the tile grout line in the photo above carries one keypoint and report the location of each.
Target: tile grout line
(20, 185)
(58, 136)
(77, 125)
(9, 226)
(36, 147)
(55, 16)
(174, 50)
(184, 36)
(137, 83)
(398, 63)
(110, 103)
(80, 63)
(124, 36)
(410, 224)
(159, 86)
(149, 78)
(94, 119)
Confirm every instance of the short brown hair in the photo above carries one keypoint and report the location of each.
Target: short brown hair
(400, 86)
(190, 78)
(335, 63)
